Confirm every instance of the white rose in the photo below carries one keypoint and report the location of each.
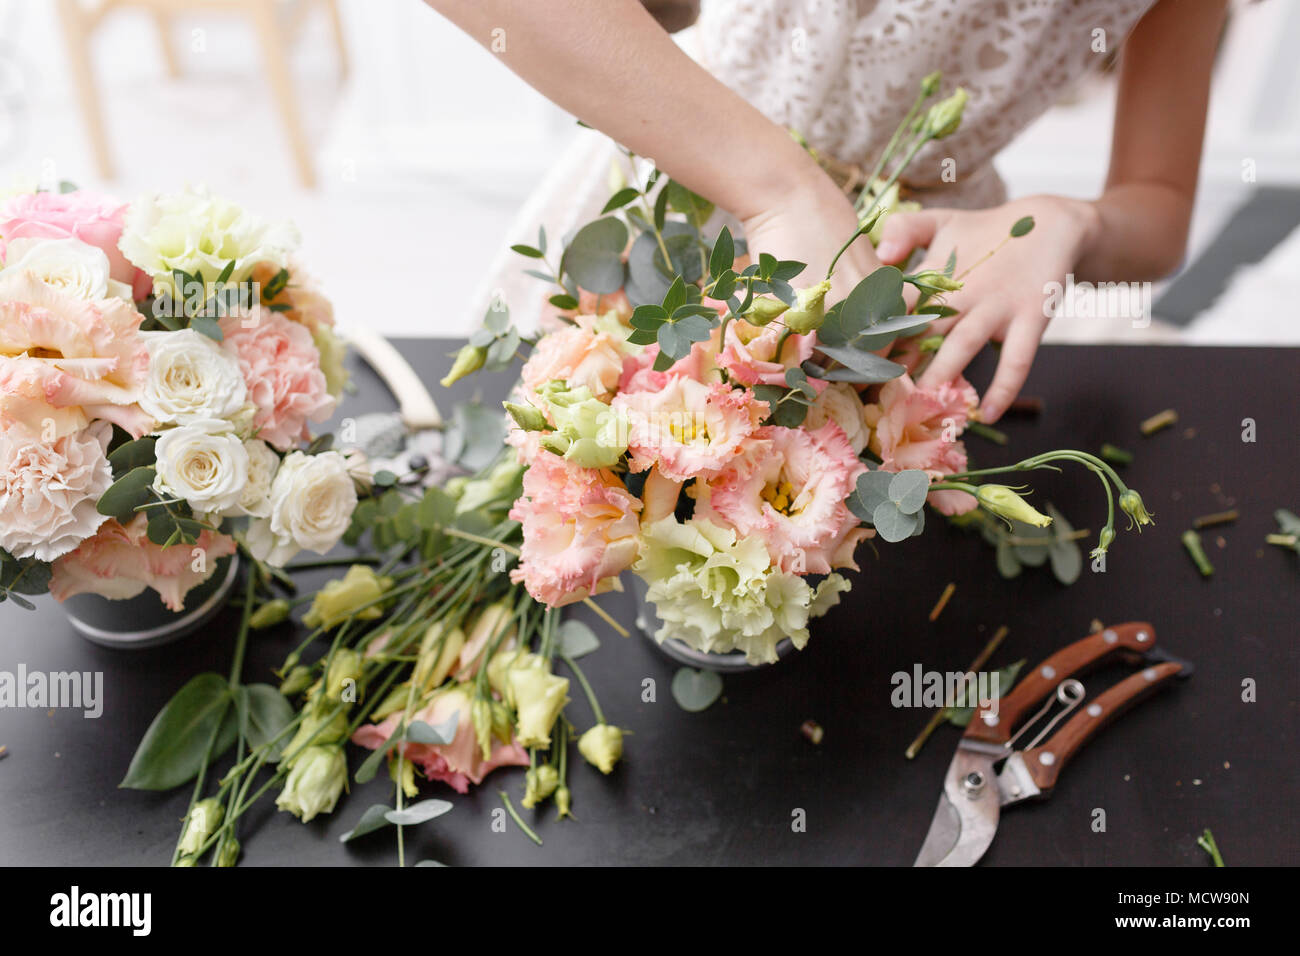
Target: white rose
(203, 462)
(191, 378)
(68, 264)
(840, 404)
(312, 500)
(262, 466)
(195, 231)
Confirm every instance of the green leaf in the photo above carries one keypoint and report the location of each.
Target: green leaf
(872, 489)
(129, 492)
(689, 204)
(1007, 562)
(874, 299)
(797, 379)
(594, 258)
(576, 639)
(175, 744)
(1065, 554)
(476, 435)
(892, 524)
(437, 509)
(648, 317)
(961, 713)
(675, 297)
(418, 812)
(859, 366)
(420, 732)
(269, 713)
(370, 766)
(375, 818)
(1022, 227)
(206, 325)
(908, 490)
(723, 255)
(661, 208)
(132, 454)
(529, 251)
(695, 690)
(563, 301)
(621, 199)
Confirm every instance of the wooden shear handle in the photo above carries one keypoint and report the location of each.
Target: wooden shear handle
(1045, 761)
(997, 726)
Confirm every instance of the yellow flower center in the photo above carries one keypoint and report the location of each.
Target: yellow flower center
(689, 432)
(780, 495)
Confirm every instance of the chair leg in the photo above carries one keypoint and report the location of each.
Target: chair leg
(336, 26)
(163, 24)
(77, 38)
(274, 51)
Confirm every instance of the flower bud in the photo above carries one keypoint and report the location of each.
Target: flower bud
(437, 654)
(204, 818)
(468, 360)
(528, 417)
(563, 802)
(406, 770)
(1106, 537)
(1006, 504)
(809, 309)
(481, 715)
(764, 309)
(348, 596)
(319, 727)
(602, 746)
(945, 116)
(315, 782)
(228, 852)
(930, 83)
(933, 281)
(539, 696)
(1131, 504)
(269, 614)
(343, 674)
(540, 783)
(299, 680)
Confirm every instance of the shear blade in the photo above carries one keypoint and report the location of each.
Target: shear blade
(945, 829)
(967, 816)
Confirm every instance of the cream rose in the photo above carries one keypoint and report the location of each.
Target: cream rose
(203, 462)
(312, 499)
(262, 466)
(74, 266)
(839, 403)
(191, 378)
(48, 491)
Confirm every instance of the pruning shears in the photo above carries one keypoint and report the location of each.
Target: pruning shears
(974, 793)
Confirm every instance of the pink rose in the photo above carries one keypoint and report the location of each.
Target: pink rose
(920, 428)
(750, 355)
(688, 428)
(282, 371)
(67, 359)
(789, 489)
(457, 764)
(95, 220)
(48, 491)
(120, 562)
(580, 531)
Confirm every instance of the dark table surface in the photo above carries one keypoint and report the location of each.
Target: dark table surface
(724, 786)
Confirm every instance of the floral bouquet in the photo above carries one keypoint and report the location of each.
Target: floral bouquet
(728, 436)
(161, 363)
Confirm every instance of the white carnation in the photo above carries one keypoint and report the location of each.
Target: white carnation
(263, 463)
(191, 378)
(204, 463)
(840, 404)
(312, 500)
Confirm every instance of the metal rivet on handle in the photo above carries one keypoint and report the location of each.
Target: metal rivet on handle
(1143, 637)
(1048, 671)
(1109, 635)
(990, 720)
(1047, 758)
(1094, 710)
(1149, 673)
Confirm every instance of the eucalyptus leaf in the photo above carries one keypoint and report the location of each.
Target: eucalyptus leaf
(576, 639)
(375, 818)
(867, 366)
(418, 812)
(695, 690)
(419, 732)
(891, 524)
(908, 490)
(1007, 562)
(132, 454)
(129, 492)
(872, 489)
(594, 257)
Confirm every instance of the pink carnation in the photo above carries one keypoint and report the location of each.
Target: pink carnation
(688, 428)
(282, 370)
(68, 360)
(751, 358)
(789, 489)
(919, 428)
(94, 220)
(457, 764)
(589, 353)
(580, 530)
(120, 562)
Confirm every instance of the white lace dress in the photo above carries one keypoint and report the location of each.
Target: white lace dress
(844, 73)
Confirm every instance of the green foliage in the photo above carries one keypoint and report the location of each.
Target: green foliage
(175, 746)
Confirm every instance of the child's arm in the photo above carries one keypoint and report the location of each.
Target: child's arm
(1136, 230)
(610, 64)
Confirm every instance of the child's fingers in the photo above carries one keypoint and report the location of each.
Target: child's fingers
(961, 345)
(1018, 349)
(905, 231)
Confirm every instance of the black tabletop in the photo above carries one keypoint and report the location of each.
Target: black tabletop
(729, 785)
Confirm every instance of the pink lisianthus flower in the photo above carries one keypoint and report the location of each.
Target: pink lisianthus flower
(580, 530)
(92, 219)
(920, 428)
(282, 370)
(789, 490)
(119, 561)
(749, 355)
(457, 764)
(588, 354)
(69, 360)
(700, 364)
(687, 428)
(301, 296)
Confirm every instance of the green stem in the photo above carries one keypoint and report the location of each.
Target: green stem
(514, 815)
(586, 687)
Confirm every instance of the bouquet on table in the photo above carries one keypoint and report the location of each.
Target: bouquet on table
(727, 435)
(161, 364)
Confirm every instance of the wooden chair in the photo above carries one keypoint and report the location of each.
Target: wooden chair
(274, 36)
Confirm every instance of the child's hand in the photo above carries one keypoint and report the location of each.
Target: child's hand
(1004, 298)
